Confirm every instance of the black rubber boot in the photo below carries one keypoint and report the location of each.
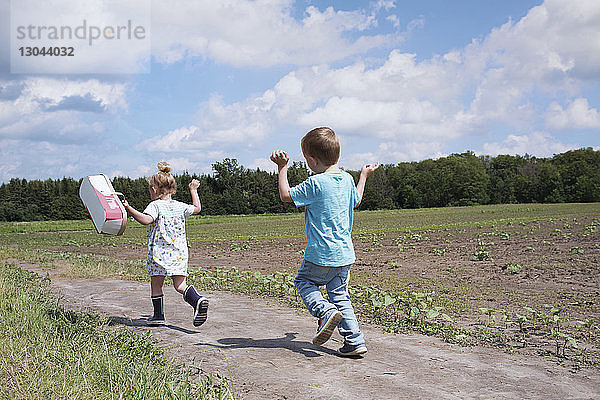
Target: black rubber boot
(159, 316)
(199, 303)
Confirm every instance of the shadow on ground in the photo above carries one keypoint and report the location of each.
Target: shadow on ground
(141, 322)
(287, 342)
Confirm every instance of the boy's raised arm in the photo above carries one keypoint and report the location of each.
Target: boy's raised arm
(365, 172)
(281, 158)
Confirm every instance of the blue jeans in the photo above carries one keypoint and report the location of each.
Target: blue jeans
(335, 279)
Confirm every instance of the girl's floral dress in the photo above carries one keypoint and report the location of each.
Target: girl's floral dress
(167, 243)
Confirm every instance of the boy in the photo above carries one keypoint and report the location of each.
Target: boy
(329, 198)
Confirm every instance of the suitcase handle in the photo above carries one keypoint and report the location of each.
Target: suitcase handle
(121, 195)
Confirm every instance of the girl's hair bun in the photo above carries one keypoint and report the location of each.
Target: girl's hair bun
(163, 166)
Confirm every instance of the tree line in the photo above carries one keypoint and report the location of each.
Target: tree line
(456, 180)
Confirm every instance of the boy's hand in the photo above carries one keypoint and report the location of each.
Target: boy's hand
(362, 180)
(194, 184)
(280, 158)
(368, 169)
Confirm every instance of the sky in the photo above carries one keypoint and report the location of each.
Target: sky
(398, 80)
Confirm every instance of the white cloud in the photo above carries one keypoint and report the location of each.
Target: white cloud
(393, 153)
(143, 170)
(116, 173)
(29, 159)
(384, 4)
(462, 92)
(398, 100)
(394, 20)
(53, 110)
(547, 53)
(109, 95)
(261, 33)
(355, 161)
(409, 151)
(376, 118)
(55, 127)
(106, 36)
(539, 144)
(218, 127)
(577, 115)
(9, 167)
(264, 164)
(181, 164)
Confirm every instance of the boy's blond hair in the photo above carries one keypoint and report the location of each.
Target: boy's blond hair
(163, 182)
(322, 144)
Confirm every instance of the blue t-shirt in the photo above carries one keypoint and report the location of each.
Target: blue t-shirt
(330, 198)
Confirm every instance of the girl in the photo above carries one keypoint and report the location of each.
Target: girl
(167, 243)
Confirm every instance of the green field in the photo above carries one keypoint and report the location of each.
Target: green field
(228, 227)
(523, 277)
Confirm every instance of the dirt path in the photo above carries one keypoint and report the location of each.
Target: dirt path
(265, 348)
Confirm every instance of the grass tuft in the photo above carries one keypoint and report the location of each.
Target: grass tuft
(51, 352)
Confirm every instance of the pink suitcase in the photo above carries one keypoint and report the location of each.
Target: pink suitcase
(103, 204)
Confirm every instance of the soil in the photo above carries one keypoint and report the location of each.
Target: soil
(265, 347)
(548, 253)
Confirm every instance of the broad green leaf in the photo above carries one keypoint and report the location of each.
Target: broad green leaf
(447, 317)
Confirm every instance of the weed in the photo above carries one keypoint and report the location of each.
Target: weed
(245, 245)
(521, 320)
(588, 328)
(374, 238)
(512, 268)
(589, 229)
(562, 340)
(556, 232)
(577, 250)
(482, 253)
(438, 252)
(418, 237)
(490, 312)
